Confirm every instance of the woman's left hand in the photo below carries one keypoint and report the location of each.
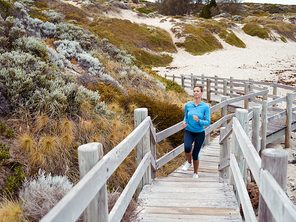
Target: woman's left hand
(196, 118)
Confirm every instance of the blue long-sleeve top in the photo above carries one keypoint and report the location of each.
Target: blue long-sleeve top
(202, 111)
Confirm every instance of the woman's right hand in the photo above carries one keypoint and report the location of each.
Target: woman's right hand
(184, 125)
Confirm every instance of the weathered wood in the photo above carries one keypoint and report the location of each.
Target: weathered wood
(169, 156)
(265, 96)
(225, 87)
(215, 85)
(123, 201)
(242, 191)
(256, 127)
(249, 151)
(88, 156)
(230, 85)
(208, 90)
(242, 117)
(153, 153)
(143, 146)
(263, 125)
(224, 157)
(284, 98)
(276, 116)
(275, 161)
(226, 133)
(83, 192)
(246, 91)
(223, 110)
(182, 81)
(289, 119)
(217, 124)
(168, 132)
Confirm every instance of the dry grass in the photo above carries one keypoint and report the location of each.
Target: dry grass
(11, 211)
(26, 143)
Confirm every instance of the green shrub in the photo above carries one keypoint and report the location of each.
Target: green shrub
(233, 40)
(145, 10)
(163, 114)
(6, 9)
(283, 39)
(12, 182)
(256, 30)
(199, 40)
(10, 133)
(4, 152)
(3, 127)
(134, 38)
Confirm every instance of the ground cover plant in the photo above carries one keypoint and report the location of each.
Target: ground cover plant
(135, 38)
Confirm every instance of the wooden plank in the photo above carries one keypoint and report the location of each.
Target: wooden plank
(143, 217)
(169, 156)
(224, 163)
(242, 191)
(284, 98)
(192, 210)
(168, 132)
(276, 199)
(277, 116)
(226, 133)
(73, 204)
(218, 123)
(124, 199)
(249, 151)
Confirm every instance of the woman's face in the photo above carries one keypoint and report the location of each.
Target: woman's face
(197, 93)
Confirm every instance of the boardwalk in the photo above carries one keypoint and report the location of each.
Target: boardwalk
(179, 197)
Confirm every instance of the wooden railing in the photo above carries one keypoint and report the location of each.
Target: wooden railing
(89, 195)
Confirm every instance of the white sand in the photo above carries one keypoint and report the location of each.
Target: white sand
(260, 60)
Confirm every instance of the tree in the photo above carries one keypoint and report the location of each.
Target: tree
(232, 7)
(206, 11)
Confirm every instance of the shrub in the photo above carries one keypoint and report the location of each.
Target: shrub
(4, 152)
(12, 182)
(233, 40)
(6, 9)
(145, 10)
(43, 193)
(36, 47)
(162, 113)
(54, 16)
(200, 41)
(3, 127)
(255, 30)
(58, 59)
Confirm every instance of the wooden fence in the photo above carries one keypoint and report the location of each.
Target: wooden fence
(89, 195)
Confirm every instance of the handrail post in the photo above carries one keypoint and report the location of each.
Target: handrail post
(224, 153)
(142, 147)
(202, 79)
(194, 81)
(165, 75)
(224, 87)
(191, 79)
(276, 162)
(182, 81)
(250, 85)
(223, 110)
(153, 153)
(265, 96)
(274, 90)
(231, 86)
(242, 116)
(264, 125)
(88, 156)
(289, 120)
(246, 103)
(256, 127)
(173, 77)
(216, 84)
(208, 90)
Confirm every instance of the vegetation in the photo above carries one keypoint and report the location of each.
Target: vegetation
(256, 30)
(135, 39)
(199, 40)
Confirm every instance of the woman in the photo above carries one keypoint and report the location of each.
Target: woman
(197, 115)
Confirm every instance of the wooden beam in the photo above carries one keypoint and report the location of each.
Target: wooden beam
(169, 156)
(242, 191)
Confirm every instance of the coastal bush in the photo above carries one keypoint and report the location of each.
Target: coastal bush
(52, 92)
(163, 113)
(13, 181)
(4, 152)
(54, 16)
(256, 30)
(233, 40)
(121, 33)
(200, 41)
(41, 194)
(144, 10)
(57, 58)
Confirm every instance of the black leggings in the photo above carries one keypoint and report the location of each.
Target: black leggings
(198, 139)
